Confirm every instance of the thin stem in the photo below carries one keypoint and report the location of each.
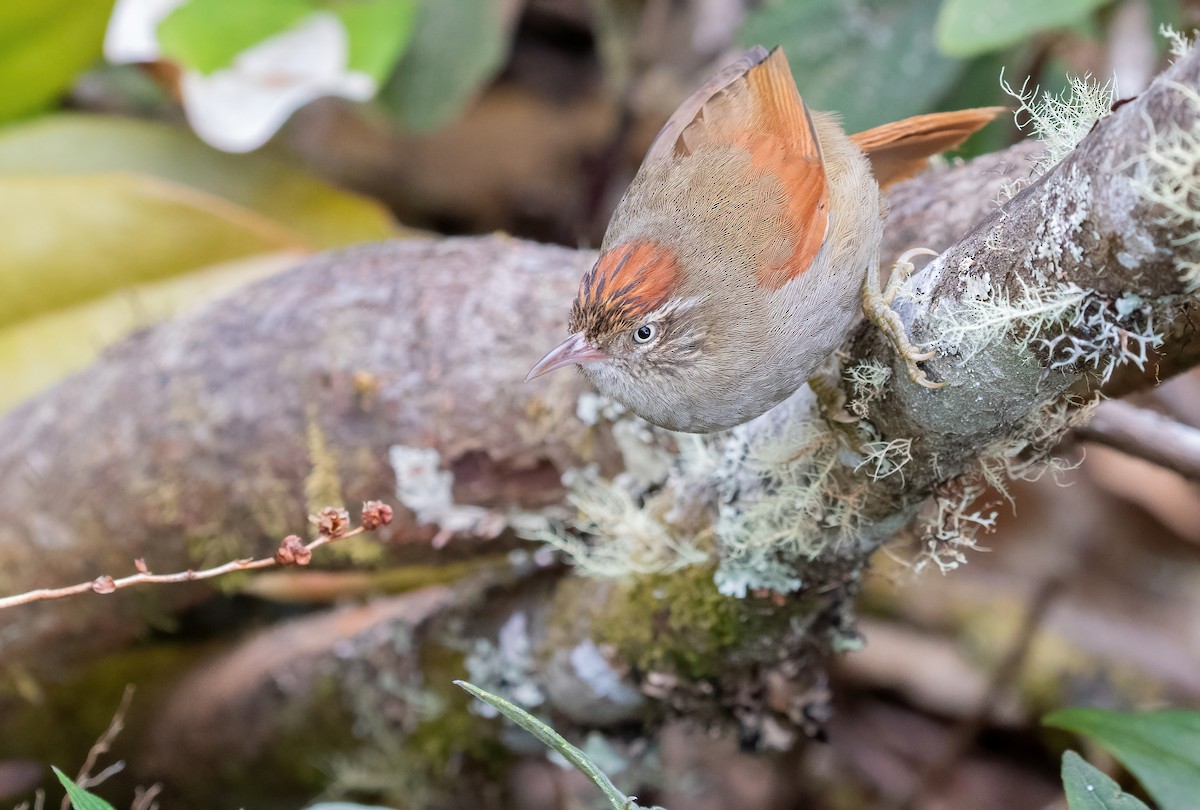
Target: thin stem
(106, 584)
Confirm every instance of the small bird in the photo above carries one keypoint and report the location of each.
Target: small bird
(744, 251)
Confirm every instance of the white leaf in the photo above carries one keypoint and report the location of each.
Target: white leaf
(131, 34)
(239, 108)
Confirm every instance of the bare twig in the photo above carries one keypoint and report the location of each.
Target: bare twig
(84, 778)
(1146, 434)
(331, 523)
(143, 798)
(39, 801)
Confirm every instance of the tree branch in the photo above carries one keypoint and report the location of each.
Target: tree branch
(1147, 435)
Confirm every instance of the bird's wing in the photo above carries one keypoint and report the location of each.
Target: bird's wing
(753, 103)
(903, 148)
(667, 144)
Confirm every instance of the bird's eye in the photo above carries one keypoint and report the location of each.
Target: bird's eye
(645, 333)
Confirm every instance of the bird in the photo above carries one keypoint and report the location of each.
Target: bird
(744, 251)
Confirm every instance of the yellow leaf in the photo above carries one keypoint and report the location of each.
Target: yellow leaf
(73, 143)
(66, 239)
(36, 353)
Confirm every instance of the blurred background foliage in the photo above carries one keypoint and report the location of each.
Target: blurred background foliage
(457, 115)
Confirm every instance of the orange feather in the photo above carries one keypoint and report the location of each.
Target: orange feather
(902, 149)
(783, 142)
(632, 278)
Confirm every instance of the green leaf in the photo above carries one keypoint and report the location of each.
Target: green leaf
(1160, 748)
(67, 239)
(1088, 788)
(206, 35)
(554, 741)
(80, 798)
(874, 61)
(44, 45)
(970, 27)
(67, 144)
(456, 47)
(37, 352)
(378, 31)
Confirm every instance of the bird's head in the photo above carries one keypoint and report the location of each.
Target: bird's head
(667, 343)
(636, 335)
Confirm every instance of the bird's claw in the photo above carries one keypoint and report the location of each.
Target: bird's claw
(877, 306)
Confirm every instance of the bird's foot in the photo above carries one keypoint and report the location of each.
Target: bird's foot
(877, 306)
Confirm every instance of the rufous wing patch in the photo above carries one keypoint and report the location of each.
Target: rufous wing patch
(753, 103)
(902, 149)
(783, 143)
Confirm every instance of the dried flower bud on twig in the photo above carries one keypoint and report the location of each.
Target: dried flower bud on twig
(331, 522)
(375, 514)
(292, 551)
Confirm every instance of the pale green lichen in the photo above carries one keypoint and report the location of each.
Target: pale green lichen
(805, 500)
(1102, 337)
(986, 315)
(1076, 327)
(1059, 122)
(884, 458)
(953, 526)
(634, 526)
(1178, 43)
(958, 514)
(625, 526)
(1172, 182)
(797, 469)
(630, 536)
(867, 380)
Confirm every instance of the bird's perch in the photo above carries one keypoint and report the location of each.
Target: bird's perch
(387, 367)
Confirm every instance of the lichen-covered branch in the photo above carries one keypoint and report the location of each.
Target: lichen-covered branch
(1090, 267)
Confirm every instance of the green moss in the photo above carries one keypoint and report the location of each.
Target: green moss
(322, 486)
(680, 623)
(455, 731)
(66, 718)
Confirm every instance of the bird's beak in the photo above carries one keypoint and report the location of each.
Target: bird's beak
(575, 349)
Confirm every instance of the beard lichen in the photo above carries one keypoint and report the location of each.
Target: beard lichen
(1171, 181)
(1076, 328)
(778, 501)
(629, 525)
(964, 508)
(799, 507)
(867, 380)
(1059, 122)
(630, 536)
